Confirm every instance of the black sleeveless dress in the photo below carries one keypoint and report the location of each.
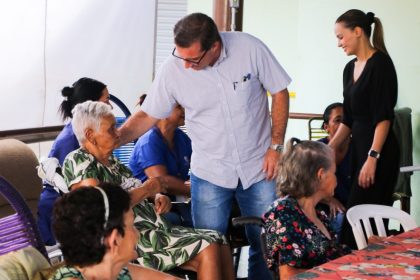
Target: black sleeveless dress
(368, 101)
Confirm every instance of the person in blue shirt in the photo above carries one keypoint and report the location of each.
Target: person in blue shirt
(333, 116)
(165, 151)
(82, 90)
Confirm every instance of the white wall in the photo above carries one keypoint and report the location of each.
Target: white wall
(47, 45)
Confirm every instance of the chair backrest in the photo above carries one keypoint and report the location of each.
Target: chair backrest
(402, 128)
(18, 230)
(364, 212)
(315, 129)
(18, 166)
(123, 152)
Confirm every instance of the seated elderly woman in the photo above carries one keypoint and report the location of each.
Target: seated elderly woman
(299, 235)
(82, 90)
(161, 245)
(95, 227)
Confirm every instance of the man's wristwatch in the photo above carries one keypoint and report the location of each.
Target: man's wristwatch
(277, 147)
(374, 154)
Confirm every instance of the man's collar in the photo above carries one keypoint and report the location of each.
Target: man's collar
(223, 52)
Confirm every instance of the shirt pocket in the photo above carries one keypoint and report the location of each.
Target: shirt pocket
(246, 92)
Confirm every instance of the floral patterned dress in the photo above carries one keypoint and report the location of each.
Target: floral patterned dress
(161, 245)
(294, 240)
(69, 272)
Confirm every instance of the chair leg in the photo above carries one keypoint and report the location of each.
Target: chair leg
(236, 254)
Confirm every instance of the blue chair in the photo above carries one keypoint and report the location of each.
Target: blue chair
(123, 152)
(18, 230)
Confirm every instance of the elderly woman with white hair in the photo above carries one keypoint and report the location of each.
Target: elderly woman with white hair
(160, 245)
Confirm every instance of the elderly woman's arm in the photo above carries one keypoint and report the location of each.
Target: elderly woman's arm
(85, 183)
(150, 189)
(137, 195)
(176, 186)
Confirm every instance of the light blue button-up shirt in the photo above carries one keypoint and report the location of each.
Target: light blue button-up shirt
(226, 108)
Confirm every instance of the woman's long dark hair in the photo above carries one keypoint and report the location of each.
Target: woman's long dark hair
(356, 18)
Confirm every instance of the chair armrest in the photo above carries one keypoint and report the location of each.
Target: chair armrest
(247, 220)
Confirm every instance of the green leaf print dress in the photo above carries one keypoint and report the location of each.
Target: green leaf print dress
(161, 245)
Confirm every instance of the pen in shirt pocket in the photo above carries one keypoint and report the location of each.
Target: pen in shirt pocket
(245, 78)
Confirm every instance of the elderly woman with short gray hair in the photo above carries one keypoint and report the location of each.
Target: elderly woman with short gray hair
(299, 234)
(160, 245)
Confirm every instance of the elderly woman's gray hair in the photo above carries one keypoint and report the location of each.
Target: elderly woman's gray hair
(89, 114)
(299, 166)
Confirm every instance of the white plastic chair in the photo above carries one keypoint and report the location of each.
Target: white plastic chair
(364, 212)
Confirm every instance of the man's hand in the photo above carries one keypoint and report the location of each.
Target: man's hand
(162, 204)
(271, 160)
(279, 117)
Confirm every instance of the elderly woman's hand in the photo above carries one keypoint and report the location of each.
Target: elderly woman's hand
(155, 185)
(162, 204)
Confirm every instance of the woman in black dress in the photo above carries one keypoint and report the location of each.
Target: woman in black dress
(370, 95)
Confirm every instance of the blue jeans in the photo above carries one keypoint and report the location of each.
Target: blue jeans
(337, 222)
(45, 209)
(211, 207)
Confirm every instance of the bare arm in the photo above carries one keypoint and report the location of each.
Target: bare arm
(84, 183)
(148, 190)
(339, 143)
(287, 271)
(367, 173)
(381, 132)
(176, 186)
(135, 126)
(279, 117)
(139, 272)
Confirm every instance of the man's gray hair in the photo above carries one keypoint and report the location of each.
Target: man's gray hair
(89, 114)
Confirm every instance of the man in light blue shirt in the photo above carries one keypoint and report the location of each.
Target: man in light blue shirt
(222, 79)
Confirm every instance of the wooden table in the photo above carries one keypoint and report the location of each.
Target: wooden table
(398, 257)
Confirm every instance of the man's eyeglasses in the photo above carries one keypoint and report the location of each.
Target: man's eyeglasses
(195, 62)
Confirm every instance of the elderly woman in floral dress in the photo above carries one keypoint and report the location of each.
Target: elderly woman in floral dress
(161, 245)
(299, 234)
